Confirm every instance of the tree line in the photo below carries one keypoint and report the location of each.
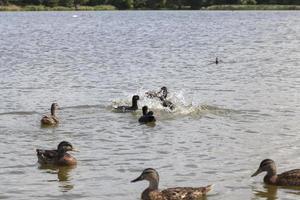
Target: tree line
(146, 4)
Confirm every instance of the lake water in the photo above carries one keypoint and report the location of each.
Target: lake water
(228, 117)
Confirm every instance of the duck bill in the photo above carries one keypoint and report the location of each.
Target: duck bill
(75, 150)
(140, 178)
(257, 172)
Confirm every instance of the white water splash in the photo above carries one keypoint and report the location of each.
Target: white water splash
(183, 107)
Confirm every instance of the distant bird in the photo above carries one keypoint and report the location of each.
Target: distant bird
(177, 193)
(217, 61)
(288, 178)
(131, 108)
(147, 117)
(58, 156)
(51, 119)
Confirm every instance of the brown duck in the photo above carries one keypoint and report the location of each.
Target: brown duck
(288, 178)
(51, 119)
(58, 156)
(177, 193)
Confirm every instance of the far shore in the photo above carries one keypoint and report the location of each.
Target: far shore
(110, 7)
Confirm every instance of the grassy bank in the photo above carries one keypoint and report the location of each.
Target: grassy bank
(58, 8)
(254, 7)
(110, 7)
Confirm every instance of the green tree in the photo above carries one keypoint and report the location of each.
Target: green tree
(4, 2)
(66, 3)
(77, 3)
(121, 4)
(175, 4)
(95, 2)
(15, 2)
(195, 4)
(51, 3)
(248, 2)
(155, 4)
(32, 2)
(139, 4)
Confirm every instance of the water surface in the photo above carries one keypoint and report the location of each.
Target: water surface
(228, 117)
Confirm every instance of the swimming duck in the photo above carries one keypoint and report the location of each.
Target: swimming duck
(162, 96)
(177, 193)
(51, 119)
(57, 157)
(131, 108)
(147, 116)
(288, 178)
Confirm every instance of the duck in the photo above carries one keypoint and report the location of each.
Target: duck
(147, 117)
(288, 178)
(131, 108)
(162, 96)
(177, 193)
(57, 157)
(51, 119)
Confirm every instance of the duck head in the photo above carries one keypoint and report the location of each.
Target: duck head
(164, 92)
(135, 98)
(54, 107)
(145, 109)
(266, 165)
(65, 146)
(148, 174)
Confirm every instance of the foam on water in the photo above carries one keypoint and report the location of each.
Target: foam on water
(183, 107)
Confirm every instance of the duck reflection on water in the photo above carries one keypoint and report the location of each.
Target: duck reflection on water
(268, 192)
(63, 175)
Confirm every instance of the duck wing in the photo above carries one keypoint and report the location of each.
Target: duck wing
(46, 156)
(49, 120)
(124, 109)
(185, 193)
(289, 178)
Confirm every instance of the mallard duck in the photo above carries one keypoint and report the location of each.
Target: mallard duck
(51, 119)
(57, 157)
(131, 108)
(147, 116)
(289, 178)
(162, 96)
(177, 193)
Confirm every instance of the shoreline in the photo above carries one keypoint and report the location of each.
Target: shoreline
(14, 8)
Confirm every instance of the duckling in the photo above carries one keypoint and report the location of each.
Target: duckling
(147, 116)
(57, 157)
(51, 119)
(177, 193)
(132, 108)
(288, 178)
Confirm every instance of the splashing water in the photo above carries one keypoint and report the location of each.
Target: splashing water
(183, 107)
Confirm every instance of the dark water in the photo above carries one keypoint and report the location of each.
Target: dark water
(228, 117)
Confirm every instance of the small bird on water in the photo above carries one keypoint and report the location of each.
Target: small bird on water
(217, 61)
